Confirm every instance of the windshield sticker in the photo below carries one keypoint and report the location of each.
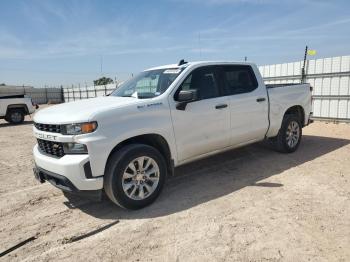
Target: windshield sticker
(172, 71)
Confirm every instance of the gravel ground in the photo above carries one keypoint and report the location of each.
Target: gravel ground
(249, 204)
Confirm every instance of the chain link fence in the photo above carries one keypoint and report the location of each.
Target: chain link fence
(56, 95)
(79, 93)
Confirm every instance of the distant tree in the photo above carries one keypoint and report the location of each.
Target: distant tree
(103, 81)
(2, 84)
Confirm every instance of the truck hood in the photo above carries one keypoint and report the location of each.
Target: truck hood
(81, 111)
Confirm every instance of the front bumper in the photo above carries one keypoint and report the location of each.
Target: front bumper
(64, 184)
(72, 168)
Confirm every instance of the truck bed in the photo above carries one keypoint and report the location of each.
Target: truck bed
(281, 85)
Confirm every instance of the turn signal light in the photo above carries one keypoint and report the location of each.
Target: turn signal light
(88, 127)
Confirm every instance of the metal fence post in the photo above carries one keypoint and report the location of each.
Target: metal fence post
(47, 101)
(62, 95)
(73, 93)
(303, 75)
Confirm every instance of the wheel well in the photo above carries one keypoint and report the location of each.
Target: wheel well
(154, 140)
(298, 111)
(17, 106)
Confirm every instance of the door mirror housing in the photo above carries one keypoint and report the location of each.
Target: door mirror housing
(187, 95)
(184, 97)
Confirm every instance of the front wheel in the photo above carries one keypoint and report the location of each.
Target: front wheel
(289, 136)
(134, 176)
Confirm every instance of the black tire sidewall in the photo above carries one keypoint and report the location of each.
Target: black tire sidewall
(15, 111)
(115, 169)
(282, 142)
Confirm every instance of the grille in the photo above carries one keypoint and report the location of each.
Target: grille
(48, 128)
(51, 148)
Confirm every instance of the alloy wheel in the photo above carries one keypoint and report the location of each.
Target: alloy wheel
(140, 178)
(293, 134)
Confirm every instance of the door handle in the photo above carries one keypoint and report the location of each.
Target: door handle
(221, 106)
(260, 99)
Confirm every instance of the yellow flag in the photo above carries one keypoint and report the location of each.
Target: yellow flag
(311, 52)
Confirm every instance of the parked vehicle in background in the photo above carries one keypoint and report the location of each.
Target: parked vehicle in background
(13, 108)
(126, 144)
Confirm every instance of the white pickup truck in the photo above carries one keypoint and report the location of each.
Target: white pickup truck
(126, 144)
(13, 108)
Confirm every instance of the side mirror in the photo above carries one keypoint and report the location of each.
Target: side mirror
(184, 97)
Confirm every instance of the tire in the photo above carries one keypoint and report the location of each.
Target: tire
(289, 135)
(128, 185)
(15, 116)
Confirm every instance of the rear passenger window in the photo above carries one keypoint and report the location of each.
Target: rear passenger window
(204, 81)
(239, 79)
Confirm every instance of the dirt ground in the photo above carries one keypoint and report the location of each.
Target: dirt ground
(249, 204)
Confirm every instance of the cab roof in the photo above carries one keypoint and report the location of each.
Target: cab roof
(196, 63)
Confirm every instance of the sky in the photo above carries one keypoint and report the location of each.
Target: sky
(65, 42)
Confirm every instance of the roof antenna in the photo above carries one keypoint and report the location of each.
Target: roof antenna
(182, 62)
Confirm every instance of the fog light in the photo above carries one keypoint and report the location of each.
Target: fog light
(75, 148)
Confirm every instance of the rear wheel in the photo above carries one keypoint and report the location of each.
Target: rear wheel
(289, 135)
(135, 176)
(15, 116)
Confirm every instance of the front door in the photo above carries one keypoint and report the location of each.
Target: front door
(204, 125)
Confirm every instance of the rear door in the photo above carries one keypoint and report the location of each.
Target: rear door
(204, 126)
(248, 103)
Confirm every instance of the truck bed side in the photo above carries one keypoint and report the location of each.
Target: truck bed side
(15, 101)
(283, 97)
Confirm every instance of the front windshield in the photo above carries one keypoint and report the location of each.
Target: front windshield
(148, 84)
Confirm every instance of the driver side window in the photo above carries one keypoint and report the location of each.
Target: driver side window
(204, 81)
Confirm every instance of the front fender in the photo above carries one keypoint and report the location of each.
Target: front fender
(117, 126)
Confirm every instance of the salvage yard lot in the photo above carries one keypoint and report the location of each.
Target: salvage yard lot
(249, 204)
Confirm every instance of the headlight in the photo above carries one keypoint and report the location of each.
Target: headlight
(75, 148)
(78, 129)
